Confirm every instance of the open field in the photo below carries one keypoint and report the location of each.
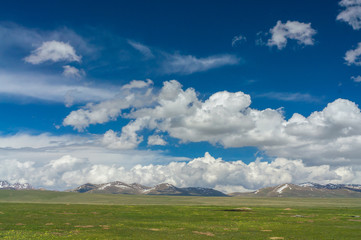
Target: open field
(58, 215)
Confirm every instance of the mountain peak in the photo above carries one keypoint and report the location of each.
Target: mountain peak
(15, 186)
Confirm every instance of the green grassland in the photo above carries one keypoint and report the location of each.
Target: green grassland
(59, 215)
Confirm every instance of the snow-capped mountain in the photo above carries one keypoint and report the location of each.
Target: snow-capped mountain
(135, 188)
(353, 187)
(307, 190)
(15, 186)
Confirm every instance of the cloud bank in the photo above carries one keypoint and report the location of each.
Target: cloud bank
(68, 172)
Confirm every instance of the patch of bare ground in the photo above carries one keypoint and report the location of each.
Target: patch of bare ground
(209, 234)
(49, 224)
(84, 226)
(242, 209)
(2, 213)
(105, 227)
(355, 220)
(288, 209)
(67, 223)
(20, 224)
(154, 229)
(275, 238)
(266, 230)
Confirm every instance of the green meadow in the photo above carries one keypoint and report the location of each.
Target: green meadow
(61, 215)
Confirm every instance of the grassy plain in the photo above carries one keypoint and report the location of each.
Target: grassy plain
(59, 215)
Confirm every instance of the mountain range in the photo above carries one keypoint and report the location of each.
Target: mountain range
(135, 188)
(307, 189)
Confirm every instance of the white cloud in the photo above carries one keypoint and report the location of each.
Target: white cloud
(41, 149)
(188, 64)
(54, 51)
(95, 113)
(138, 84)
(356, 79)
(156, 140)
(331, 136)
(142, 49)
(73, 72)
(22, 140)
(68, 172)
(135, 94)
(238, 39)
(351, 14)
(353, 56)
(294, 30)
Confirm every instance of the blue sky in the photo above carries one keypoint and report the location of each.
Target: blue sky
(233, 95)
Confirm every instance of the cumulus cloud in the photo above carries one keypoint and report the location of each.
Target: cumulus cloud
(351, 14)
(54, 51)
(294, 30)
(352, 57)
(141, 48)
(73, 72)
(188, 64)
(68, 172)
(238, 40)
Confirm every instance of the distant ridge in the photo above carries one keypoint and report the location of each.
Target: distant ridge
(135, 188)
(306, 190)
(15, 186)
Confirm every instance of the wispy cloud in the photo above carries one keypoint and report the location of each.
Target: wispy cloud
(47, 87)
(188, 64)
(143, 49)
(238, 40)
(292, 97)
